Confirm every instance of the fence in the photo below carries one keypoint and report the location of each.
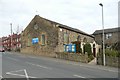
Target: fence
(72, 56)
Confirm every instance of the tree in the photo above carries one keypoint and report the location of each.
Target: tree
(87, 48)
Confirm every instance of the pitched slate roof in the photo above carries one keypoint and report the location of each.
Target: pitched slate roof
(106, 30)
(67, 27)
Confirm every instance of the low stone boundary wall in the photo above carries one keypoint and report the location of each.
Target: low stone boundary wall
(72, 56)
(110, 61)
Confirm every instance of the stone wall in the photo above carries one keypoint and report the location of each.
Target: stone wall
(110, 61)
(54, 37)
(44, 27)
(112, 40)
(72, 57)
(72, 36)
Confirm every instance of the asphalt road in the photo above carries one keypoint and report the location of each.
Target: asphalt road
(16, 65)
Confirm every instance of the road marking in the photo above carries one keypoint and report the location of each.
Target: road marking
(95, 68)
(75, 64)
(1, 77)
(70, 63)
(32, 57)
(24, 70)
(78, 76)
(26, 74)
(13, 59)
(99, 68)
(39, 66)
(20, 75)
(16, 71)
(35, 57)
(88, 66)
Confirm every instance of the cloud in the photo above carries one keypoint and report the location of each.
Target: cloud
(81, 14)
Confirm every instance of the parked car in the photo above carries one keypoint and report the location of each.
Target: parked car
(2, 49)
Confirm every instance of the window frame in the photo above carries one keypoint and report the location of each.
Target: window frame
(108, 35)
(43, 42)
(66, 38)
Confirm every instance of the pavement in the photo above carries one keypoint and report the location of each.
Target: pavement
(17, 65)
(94, 61)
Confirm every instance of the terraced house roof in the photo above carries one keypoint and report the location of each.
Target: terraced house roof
(107, 30)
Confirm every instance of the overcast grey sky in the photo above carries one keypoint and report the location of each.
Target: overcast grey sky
(81, 14)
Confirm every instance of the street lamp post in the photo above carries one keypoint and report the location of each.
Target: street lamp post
(103, 35)
(11, 35)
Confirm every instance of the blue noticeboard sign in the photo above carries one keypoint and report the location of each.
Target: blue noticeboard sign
(35, 40)
(70, 48)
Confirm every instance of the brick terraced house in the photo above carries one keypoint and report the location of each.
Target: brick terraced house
(11, 45)
(51, 36)
(0, 41)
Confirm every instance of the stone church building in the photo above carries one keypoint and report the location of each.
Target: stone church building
(52, 37)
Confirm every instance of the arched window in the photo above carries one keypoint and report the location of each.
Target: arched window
(79, 38)
(28, 40)
(66, 38)
(85, 40)
(43, 39)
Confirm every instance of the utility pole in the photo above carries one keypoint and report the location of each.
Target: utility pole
(17, 36)
(103, 35)
(17, 31)
(11, 35)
